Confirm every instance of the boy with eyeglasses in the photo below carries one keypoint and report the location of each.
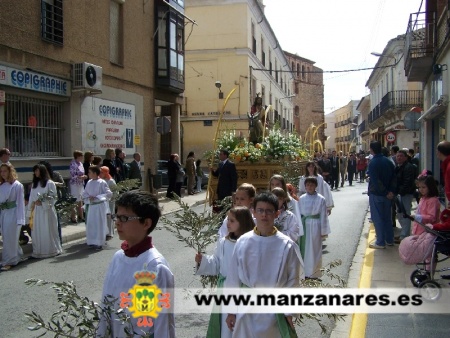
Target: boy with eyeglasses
(314, 218)
(263, 258)
(137, 213)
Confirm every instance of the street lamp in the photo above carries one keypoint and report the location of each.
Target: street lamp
(286, 97)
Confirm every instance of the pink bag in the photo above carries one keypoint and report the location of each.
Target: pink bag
(417, 248)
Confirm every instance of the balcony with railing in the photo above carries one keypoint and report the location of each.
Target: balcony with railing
(394, 102)
(420, 46)
(362, 128)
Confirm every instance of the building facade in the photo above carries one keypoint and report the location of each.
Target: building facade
(427, 55)
(345, 126)
(363, 130)
(84, 76)
(239, 60)
(391, 120)
(309, 95)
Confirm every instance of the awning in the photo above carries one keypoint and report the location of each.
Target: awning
(436, 109)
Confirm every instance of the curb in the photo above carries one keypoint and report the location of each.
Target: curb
(343, 328)
(81, 233)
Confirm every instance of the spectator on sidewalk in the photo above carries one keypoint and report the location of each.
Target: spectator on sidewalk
(405, 174)
(110, 162)
(121, 173)
(443, 154)
(88, 157)
(199, 174)
(190, 172)
(135, 168)
(381, 191)
(5, 154)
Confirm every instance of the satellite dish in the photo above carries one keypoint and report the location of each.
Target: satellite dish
(411, 122)
(91, 76)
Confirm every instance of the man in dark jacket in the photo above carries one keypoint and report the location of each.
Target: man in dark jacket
(227, 176)
(351, 168)
(381, 191)
(135, 168)
(405, 173)
(335, 168)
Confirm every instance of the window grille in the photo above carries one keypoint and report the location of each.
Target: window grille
(52, 21)
(33, 127)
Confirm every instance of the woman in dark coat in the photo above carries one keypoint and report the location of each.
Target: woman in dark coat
(173, 168)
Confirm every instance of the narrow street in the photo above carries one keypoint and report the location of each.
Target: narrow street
(87, 269)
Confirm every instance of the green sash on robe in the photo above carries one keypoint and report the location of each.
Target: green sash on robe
(8, 205)
(214, 325)
(285, 329)
(302, 239)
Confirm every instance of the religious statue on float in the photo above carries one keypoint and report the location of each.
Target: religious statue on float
(257, 119)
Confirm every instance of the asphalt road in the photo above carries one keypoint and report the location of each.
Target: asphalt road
(87, 269)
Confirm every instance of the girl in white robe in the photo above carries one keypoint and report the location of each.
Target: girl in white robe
(41, 205)
(287, 222)
(105, 175)
(322, 187)
(96, 195)
(240, 221)
(243, 197)
(314, 218)
(12, 215)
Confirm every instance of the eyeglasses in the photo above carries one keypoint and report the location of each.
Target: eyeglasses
(123, 218)
(268, 212)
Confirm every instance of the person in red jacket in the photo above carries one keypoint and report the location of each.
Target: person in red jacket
(443, 154)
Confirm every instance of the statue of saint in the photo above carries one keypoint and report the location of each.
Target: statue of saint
(256, 121)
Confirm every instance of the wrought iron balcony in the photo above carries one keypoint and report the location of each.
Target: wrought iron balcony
(393, 102)
(362, 127)
(420, 46)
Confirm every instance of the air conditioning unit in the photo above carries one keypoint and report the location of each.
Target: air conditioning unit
(87, 76)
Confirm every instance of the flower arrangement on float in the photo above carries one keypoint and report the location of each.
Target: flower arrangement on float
(276, 147)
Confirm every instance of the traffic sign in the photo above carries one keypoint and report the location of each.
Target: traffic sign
(390, 137)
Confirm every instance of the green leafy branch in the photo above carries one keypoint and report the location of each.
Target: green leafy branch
(77, 316)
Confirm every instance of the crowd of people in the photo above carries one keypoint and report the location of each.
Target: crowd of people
(34, 209)
(280, 230)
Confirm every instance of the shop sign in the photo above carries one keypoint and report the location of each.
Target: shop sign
(107, 124)
(25, 79)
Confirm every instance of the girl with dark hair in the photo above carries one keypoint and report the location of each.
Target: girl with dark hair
(240, 221)
(428, 210)
(322, 187)
(41, 205)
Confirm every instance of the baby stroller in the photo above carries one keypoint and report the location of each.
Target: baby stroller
(426, 251)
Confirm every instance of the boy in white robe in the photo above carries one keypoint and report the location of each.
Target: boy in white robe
(96, 195)
(313, 212)
(265, 258)
(137, 215)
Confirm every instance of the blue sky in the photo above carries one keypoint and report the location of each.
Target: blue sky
(340, 35)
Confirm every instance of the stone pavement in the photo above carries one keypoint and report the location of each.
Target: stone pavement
(72, 232)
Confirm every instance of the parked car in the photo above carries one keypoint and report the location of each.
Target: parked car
(162, 170)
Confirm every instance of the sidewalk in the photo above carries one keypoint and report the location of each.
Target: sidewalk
(72, 232)
(383, 268)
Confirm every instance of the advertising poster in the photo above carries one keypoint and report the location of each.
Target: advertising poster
(107, 124)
